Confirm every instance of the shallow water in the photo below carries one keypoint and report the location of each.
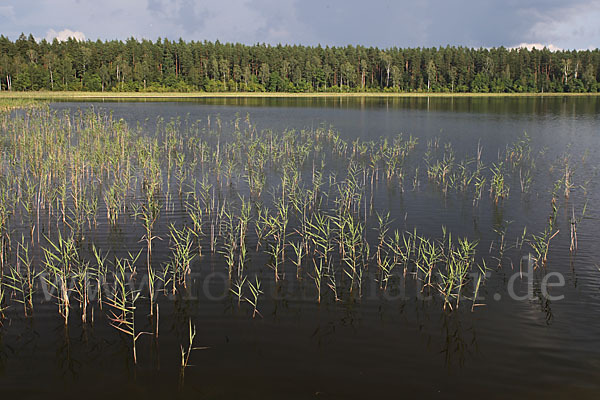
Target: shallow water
(398, 342)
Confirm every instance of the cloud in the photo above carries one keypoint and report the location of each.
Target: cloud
(245, 21)
(572, 26)
(64, 35)
(7, 12)
(383, 23)
(185, 14)
(539, 46)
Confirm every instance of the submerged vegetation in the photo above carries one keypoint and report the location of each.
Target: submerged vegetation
(261, 207)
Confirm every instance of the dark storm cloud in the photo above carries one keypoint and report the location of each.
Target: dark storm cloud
(381, 23)
(434, 23)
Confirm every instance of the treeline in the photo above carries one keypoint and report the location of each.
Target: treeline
(165, 65)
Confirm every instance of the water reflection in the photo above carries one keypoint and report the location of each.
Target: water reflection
(563, 106)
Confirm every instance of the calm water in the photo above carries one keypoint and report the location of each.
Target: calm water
(399, 343)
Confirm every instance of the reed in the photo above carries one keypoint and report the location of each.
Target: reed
(573, 223)
(113, 202)
(123, 302)
(99, 273)
(25, 262)
(427, 256)
(182, 255)
(148, 212)
(230, 243)
(502, 246)
(81, 287)
(276, 224)
(65, 178)
(243, 222)
(187, 351)
(317, 277)
(238, 289)
(476, 292)
(4, 229)
(59, 261)
(299, 249)
(197, 208)
(499, 189)
(3, 306)
(540, 244)
(458, 264)
(352, 247)
(255, 292)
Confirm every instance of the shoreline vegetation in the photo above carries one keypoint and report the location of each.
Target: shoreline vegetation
(11, 103)
(17, 99)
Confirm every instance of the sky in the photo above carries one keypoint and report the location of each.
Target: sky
(558, 24)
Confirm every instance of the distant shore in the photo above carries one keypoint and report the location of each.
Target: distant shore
(46, 95)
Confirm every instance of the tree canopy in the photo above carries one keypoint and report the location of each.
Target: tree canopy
(166, 65)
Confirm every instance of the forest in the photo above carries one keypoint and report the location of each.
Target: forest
(166, 66)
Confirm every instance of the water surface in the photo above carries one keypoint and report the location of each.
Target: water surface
(398, 343)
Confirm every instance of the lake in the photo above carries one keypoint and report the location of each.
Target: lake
(435, 236)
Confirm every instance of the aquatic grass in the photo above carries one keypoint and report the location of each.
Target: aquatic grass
(3, 306)
(59, 260)
(567, 177)
(276, 223)
(479, 186)
(428, 254)
(499, 189)
(440, 170)
(99, 273)
(113, 200)
(243, 222)
(238, 289)
(320, 233)
(25, 262)
(350, 231)
(299, 249)
(476, 292)
(502, 246)
(4, 229)
(540, 245)
(148, 212)
(383, 226)
(332, 281)
(123, 303)
(458, 262)
(573, 223)
(323, 216)
(464, 177)
(21, 278)
(182, 256)
(400, 250)
(255, 292)
(256, 177)
(187, 351)
(525, 180)
(317, 277)
(230, 242)
(199, 209)
(180, 172)
(82, 275)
